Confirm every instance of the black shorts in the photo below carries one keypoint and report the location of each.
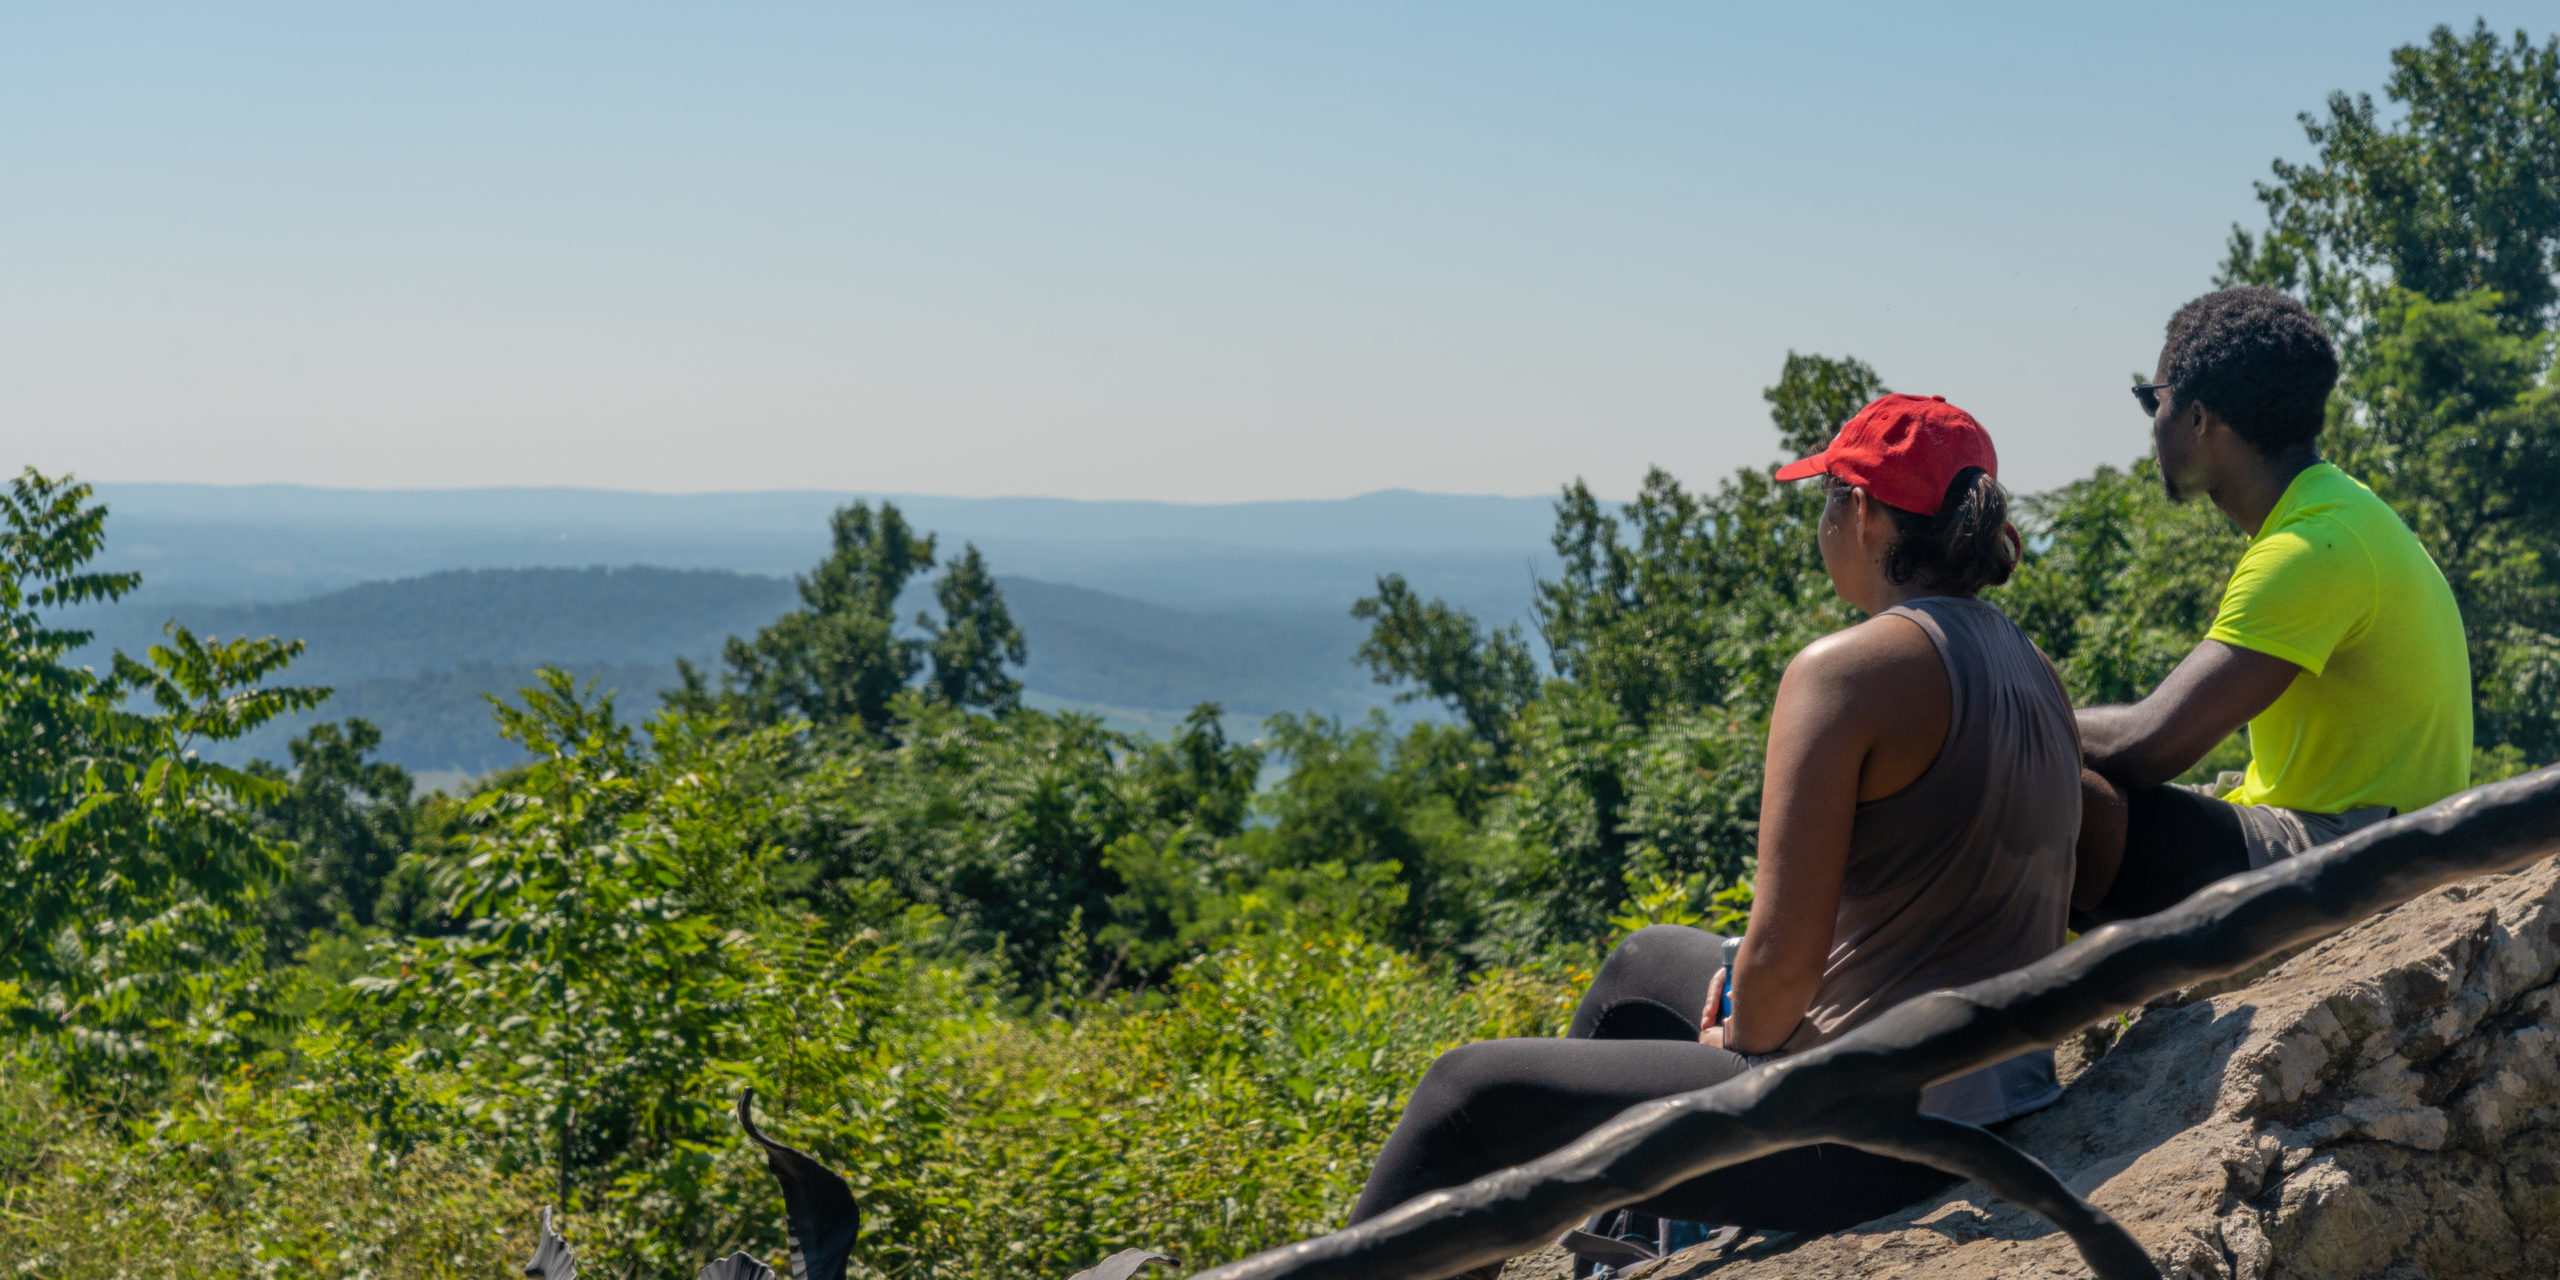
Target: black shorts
(2176, 841)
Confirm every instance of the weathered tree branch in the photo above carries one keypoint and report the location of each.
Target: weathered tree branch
(2012, 1175)
(818, 1211)
(1831, 1093)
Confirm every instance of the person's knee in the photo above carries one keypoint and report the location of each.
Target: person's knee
(1651, 986)
(1651, 945)
(2102, 804)
(2099, 858)
(1463, 1070)
(1454, 1082)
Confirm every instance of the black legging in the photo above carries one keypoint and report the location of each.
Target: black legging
(1498, 1103)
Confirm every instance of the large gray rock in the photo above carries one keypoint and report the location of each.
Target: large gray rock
(2383, 1104)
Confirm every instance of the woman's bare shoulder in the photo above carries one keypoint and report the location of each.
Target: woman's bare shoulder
(1887, 650)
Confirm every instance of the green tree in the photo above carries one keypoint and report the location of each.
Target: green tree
(974, 639)
(999, 824)
(1198, 777)
(346, 818)
(1814, 395)
(2449, 414)
(2118, 583)
(1442, 652)
(623, 966)
(1369, 833)
(127, 861)
(1176, 873)
(1683, 600)
(2453, 418)
(841, 659)
(2457, 192)
(1666, 630)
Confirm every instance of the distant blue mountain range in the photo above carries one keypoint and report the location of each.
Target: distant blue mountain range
(415, 603)
(223, 544)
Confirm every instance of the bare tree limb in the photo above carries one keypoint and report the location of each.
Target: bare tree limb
(2014, 1176)
(1832, 1094)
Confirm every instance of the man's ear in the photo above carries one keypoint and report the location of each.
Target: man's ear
(2206, 423)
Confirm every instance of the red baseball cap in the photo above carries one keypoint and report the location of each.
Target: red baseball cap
(1905, 450)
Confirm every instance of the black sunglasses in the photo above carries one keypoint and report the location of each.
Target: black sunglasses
(2147, 394)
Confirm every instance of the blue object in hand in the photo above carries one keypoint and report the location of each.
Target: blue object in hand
(1732, 949)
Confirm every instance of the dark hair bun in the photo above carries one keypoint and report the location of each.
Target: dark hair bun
(1964, 548)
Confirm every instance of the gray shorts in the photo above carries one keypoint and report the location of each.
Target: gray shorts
(2272, 833)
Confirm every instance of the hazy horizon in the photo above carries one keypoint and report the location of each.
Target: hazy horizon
(1252, 252)
(104, 482)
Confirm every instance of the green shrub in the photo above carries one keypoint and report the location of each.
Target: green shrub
(228, 1186)
(1234, 1113)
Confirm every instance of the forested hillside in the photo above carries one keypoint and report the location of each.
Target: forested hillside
(1041, 989)
(419, 657)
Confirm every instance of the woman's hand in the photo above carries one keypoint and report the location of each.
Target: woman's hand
(1711, 1020)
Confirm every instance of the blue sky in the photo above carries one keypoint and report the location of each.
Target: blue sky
(1190, 252)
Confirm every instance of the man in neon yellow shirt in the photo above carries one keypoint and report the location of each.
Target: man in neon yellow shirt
(2337, 642)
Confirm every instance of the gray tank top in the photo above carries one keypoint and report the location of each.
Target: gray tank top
(1966, 873)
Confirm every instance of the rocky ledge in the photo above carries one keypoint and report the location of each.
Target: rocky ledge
(2382, 1104)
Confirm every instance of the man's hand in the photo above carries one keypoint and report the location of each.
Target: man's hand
(2214, 691)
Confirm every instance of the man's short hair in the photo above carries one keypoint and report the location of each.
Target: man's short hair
(2260, 360)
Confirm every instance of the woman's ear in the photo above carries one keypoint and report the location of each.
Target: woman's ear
(1867, 512)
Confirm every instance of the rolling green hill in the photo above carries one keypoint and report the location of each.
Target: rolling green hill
(416, 655)
(508, 617)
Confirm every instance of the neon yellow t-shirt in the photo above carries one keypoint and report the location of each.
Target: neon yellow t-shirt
(2335, 584)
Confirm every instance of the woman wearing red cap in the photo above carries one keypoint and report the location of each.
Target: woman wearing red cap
(1917, 822)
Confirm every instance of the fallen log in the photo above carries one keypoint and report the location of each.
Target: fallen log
(1862, 1090)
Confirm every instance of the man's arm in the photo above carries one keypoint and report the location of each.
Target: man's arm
(2214, 691)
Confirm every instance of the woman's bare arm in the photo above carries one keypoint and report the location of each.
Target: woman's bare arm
(1859, 715)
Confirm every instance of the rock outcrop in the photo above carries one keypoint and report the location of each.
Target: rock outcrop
(2385, 1103)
